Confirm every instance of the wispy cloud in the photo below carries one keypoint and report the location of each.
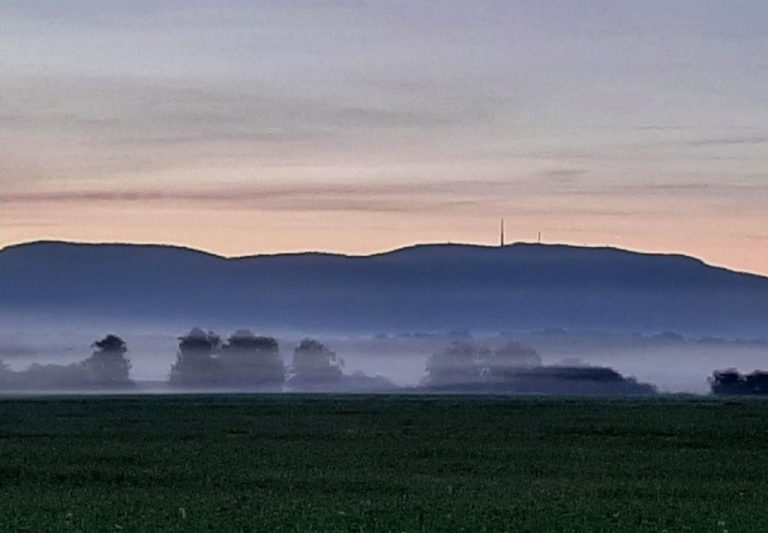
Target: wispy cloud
(727, 141)
(563, 175)
(394, 197)
(309, 197)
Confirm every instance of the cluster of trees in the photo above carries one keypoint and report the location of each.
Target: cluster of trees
(107, 367)
(731, 382)
(248, 360)
(517, 368)
(203, 360)
(577, 381)
(464, 362)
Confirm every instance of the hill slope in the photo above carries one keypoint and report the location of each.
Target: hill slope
(426, 287)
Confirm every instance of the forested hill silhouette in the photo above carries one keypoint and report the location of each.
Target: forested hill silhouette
(426, 287)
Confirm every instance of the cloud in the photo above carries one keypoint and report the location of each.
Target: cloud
(727, 141)
(308, 197)
(68, 129)
(562, 175)
(129, 111)
(702, 142)
(465, 196)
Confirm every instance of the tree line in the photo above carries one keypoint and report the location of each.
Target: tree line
(107, 367)
(203, 359)
(246, 361)
(517, 368)
(733, 383)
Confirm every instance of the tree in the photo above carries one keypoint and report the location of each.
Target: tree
(756, 382)
(727, 382)
(195, 363)
(315, 365)
(457, 364)
(6, 375)
(732, 382)
(248, 360)
(504, 362)
(108, 366)
(575, 380)
(464, 363)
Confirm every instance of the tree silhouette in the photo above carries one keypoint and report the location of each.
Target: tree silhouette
(504, 362)
(108, 366)
(195, 363)
(732, 382)
(315, 365)
(6, 375)
(248, 360)
(458, 363)
(464, 363)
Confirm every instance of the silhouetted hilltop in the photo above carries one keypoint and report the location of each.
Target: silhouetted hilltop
(427, 287)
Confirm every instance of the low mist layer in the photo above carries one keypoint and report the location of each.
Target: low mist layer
(248, 362)
(54, 356)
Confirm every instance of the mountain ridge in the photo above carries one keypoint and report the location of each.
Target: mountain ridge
(428, 287)
(393, 251)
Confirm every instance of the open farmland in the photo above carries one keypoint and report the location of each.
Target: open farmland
(381, 463)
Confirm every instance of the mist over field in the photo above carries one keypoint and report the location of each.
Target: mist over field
(669, 361)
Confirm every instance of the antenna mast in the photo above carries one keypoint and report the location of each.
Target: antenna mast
(501, 235)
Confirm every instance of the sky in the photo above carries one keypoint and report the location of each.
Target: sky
(244, 127)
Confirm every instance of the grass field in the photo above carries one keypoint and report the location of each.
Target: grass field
(315, 463)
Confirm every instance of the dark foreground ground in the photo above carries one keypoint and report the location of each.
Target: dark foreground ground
(314, 463)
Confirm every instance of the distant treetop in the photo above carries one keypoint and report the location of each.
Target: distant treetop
(111, 343)
(197, 339)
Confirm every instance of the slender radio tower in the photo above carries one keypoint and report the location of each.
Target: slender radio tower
(501, 234)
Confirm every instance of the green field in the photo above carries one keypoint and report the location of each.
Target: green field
(331, 463)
